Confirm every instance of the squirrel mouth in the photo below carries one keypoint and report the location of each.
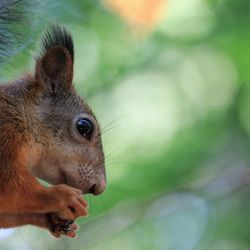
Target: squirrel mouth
(63, 178)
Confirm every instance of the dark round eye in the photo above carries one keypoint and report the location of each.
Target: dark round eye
(85, 127)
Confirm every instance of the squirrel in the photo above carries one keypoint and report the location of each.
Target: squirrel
(48, 131)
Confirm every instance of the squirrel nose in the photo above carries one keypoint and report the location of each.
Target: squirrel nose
(97, 188)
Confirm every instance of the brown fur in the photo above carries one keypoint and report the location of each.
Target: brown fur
(38, 137)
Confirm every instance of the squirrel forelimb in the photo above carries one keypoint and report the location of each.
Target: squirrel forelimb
(48, 131)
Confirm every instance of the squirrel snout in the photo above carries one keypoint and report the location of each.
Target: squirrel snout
(97, 188)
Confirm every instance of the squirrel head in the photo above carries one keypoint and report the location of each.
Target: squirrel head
(69, 136)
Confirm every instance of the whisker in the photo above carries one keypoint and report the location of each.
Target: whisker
(97, 165)
(110, 123)
(112, 152)
(99, 172)
(106, 130)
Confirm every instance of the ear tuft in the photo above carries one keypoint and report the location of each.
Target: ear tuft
(57, 35)
(55, 63)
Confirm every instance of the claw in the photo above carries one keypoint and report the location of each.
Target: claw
(69, 222)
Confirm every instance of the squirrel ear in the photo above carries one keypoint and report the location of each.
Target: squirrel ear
(56, 67)
(55, 63)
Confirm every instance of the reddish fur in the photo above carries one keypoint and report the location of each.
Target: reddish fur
(32, 112)
(23, 199)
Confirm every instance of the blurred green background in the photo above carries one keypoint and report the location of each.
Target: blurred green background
(173, 95)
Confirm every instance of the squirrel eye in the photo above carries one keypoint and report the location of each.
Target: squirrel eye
(85, 127)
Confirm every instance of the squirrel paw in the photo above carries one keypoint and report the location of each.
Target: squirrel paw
(58, 227)
(70, 203)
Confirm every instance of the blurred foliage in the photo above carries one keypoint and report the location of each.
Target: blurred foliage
(175, 105)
